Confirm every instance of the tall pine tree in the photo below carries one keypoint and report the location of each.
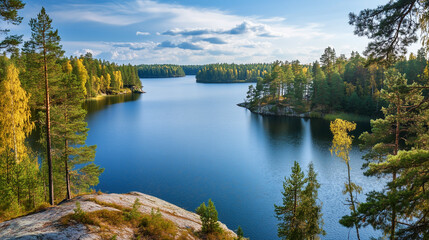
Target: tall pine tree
(70, 131)
(300, 215)
(45, 49)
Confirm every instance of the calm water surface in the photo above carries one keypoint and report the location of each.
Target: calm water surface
(186, 142)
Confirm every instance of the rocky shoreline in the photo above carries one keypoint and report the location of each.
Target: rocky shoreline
(47, 224)
(274, 110)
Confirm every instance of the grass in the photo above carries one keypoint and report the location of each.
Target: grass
(315, 115)
(15, 211)
(347, 116)
(145, 226)
(107, 204)
(155, 227)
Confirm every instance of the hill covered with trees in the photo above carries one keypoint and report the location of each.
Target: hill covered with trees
(231, 73)
(333, 84)
(160, 71)
(192, 69)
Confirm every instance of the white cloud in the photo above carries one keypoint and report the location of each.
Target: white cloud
(196, 35)
(142, 33)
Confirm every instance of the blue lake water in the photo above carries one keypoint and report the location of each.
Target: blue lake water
(186, 142)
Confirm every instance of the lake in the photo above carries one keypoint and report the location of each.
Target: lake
(186, 142)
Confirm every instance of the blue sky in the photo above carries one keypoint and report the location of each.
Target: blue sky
(202, 31)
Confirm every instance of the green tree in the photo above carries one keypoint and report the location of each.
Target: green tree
(44, 46)
(70, 132)
(313, 209)
(291, 213)
(410, 197)
(300, 215)
(9, 14)
(328, 60)
(404, 126)
(392, 27)
(341, 146)
(209, 218)
(240, 233)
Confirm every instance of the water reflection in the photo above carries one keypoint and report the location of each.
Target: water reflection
(187, 142)
(96, 104)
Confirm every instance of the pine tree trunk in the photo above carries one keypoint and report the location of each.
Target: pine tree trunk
(67, 170)
(395, 152)
(48, 126)
(351, 198)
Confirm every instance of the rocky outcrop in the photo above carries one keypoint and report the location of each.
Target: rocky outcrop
(47, 223)
(136, 89)
(274, 110)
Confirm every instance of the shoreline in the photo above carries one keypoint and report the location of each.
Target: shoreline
(104, 95)
(274, 110)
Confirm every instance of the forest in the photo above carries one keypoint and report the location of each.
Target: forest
(160, 71)
(42, 94)
(42, 90)
(333, 84)
(230, 73)
(209, 73)
(191, 69)
(396, 148)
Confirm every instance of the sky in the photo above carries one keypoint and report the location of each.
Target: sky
(201, 31)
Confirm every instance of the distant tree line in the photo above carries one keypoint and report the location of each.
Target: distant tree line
(220, 73)
(335, 83)
(160, 71)
(214, 73)
(192, 69)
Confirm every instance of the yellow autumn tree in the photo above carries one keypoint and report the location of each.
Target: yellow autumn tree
(67, 67)
(341, 146)
(96, 84)
(108, 81)
(82, 74)
(15, 123)
(117, 77)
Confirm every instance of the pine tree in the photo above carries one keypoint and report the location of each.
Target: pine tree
(341, 146)
(403, 127)
(300, 215)
(70, 130)
(240, 233)
(328, 60)
(313, 210)
(392, 27)
(9, 14)
(44, 49)
(291, 212)
(209, 217)
(410, 197)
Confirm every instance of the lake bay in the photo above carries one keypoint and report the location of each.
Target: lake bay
(186, 142)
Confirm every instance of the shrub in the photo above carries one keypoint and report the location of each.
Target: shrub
(240, 233)
(78, 216)
(208, 215)
(134, 213)
(155, 227)
(315, 115)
